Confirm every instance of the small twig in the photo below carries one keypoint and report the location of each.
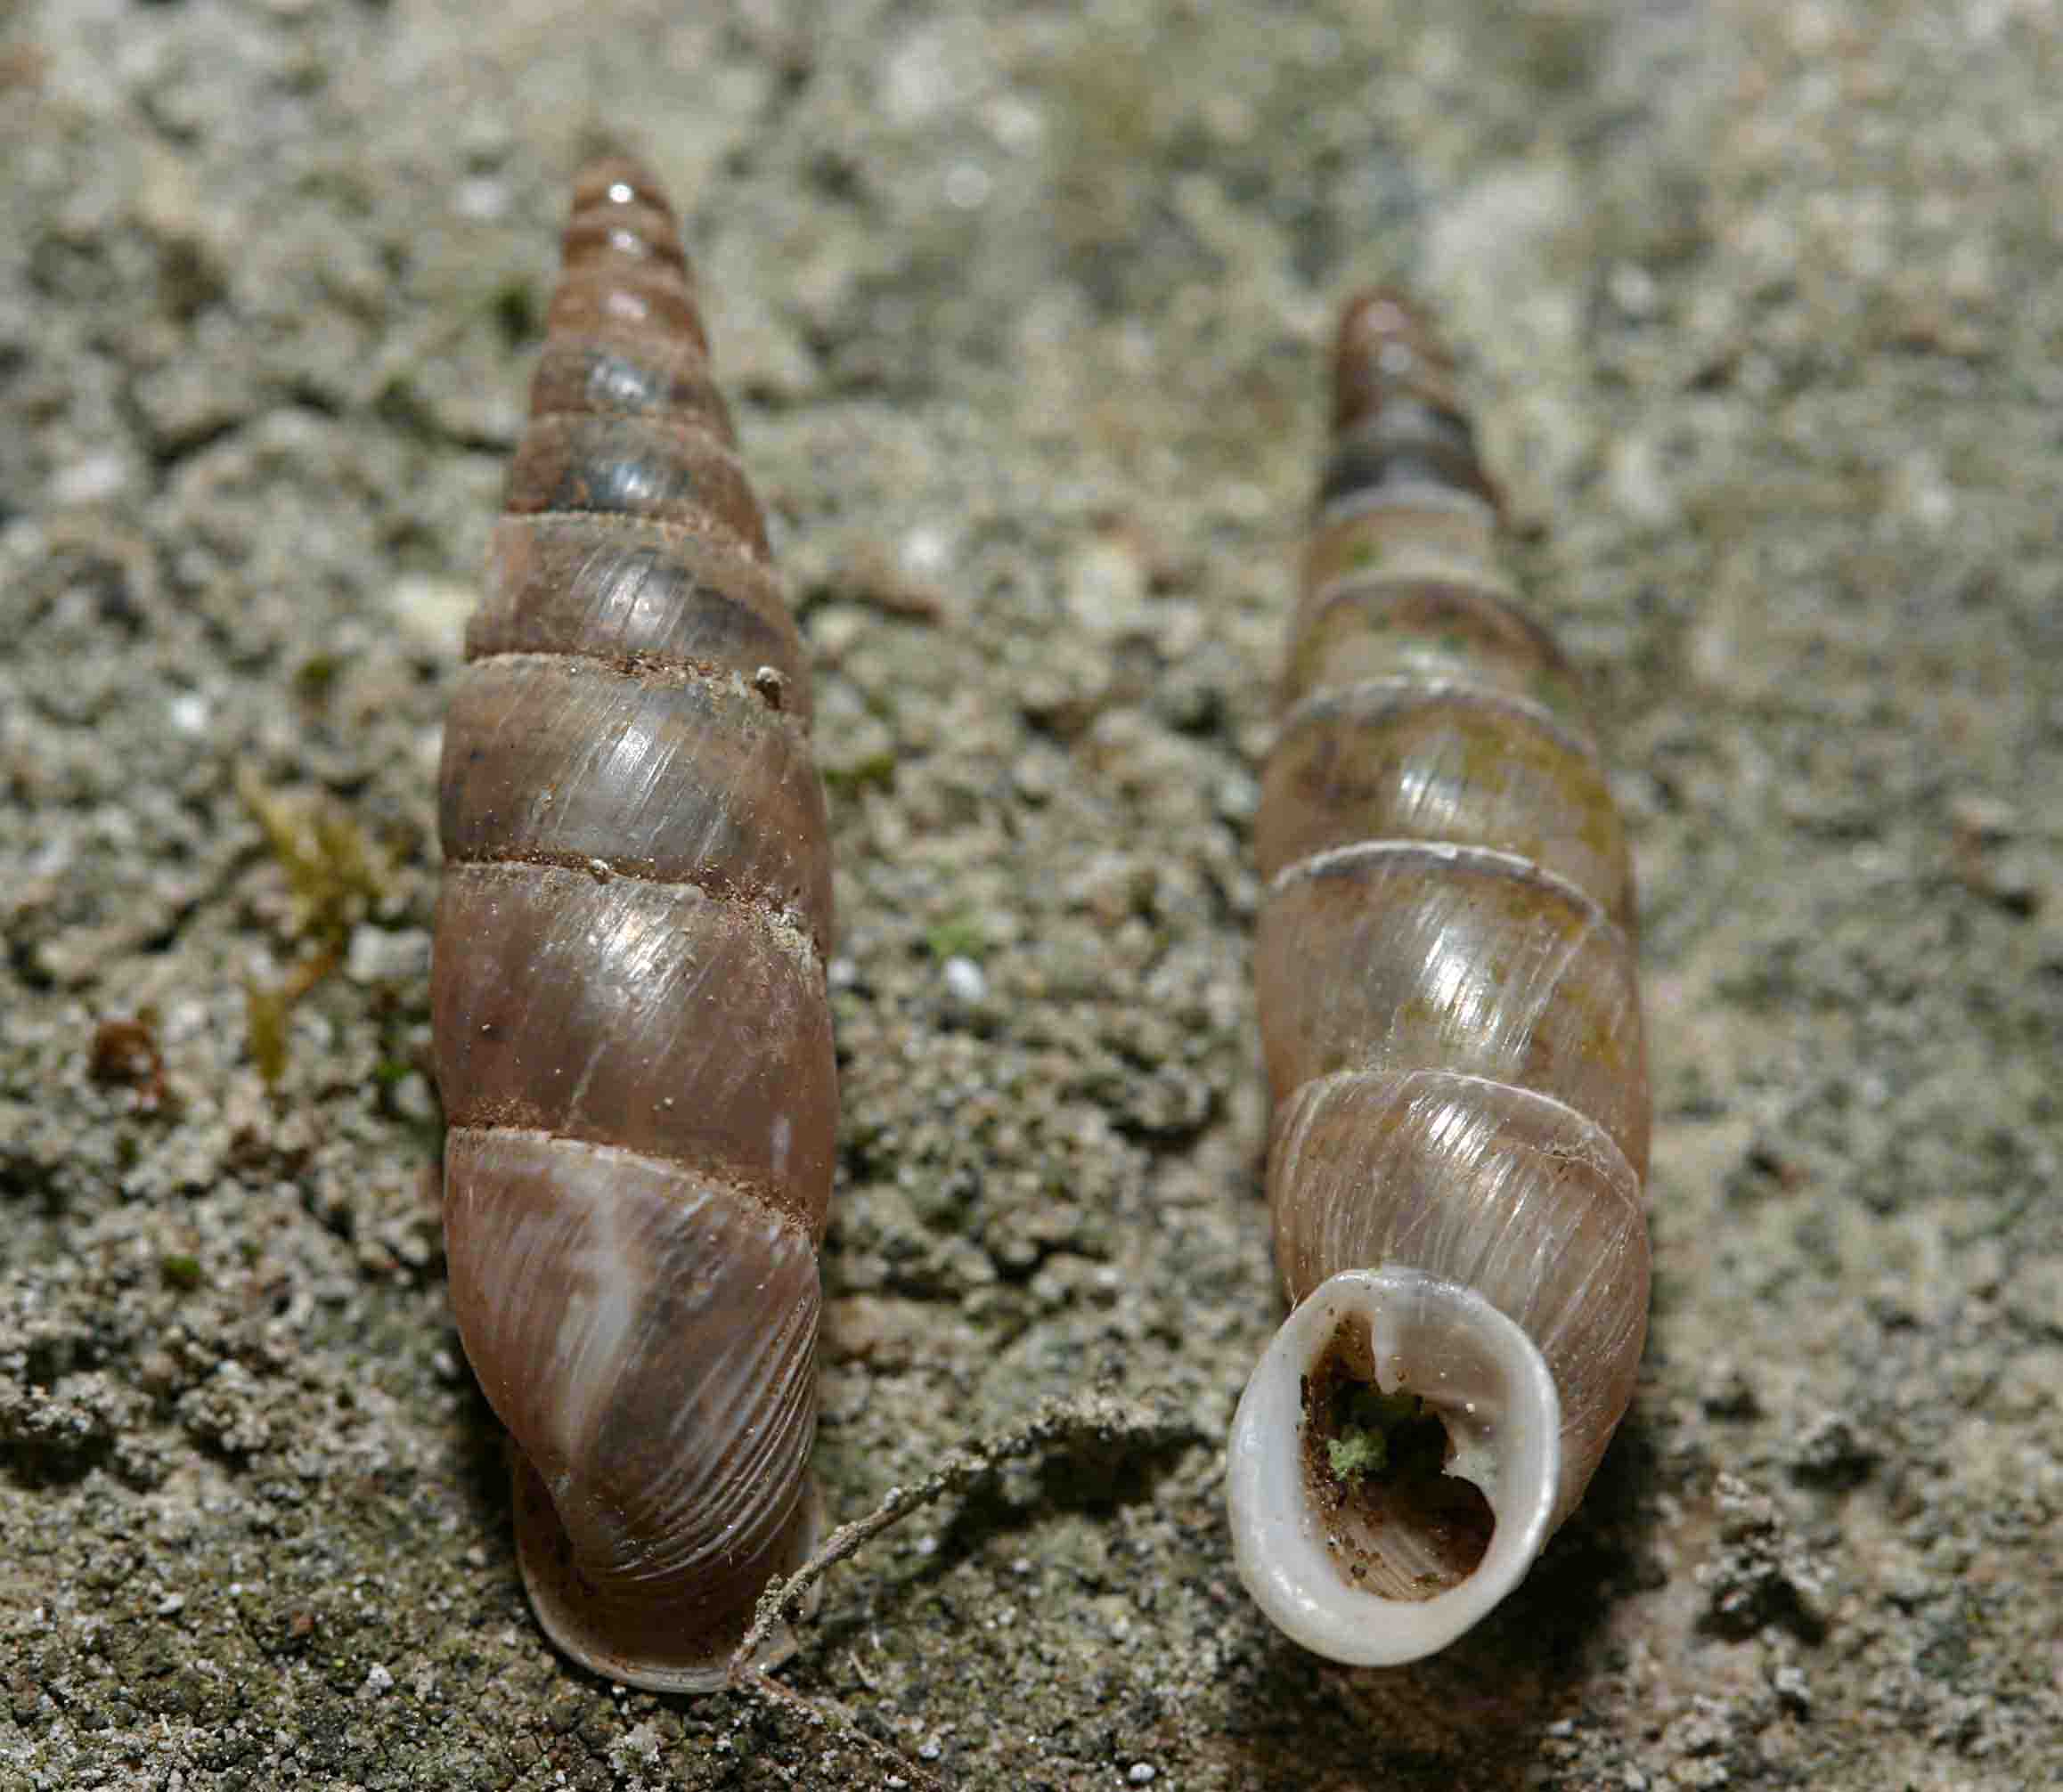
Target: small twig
(1094, 1416)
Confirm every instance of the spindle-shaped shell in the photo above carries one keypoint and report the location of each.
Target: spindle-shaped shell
(632, 1037)
(1453, 1037)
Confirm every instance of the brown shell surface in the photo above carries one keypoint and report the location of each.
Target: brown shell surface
(631, 1031)
(1445, 967)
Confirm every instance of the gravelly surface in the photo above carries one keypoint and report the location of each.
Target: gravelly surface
(1022, 310)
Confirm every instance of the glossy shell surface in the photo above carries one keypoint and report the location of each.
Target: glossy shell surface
(631, 1032)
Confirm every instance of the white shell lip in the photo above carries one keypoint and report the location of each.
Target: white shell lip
(1485, 1379)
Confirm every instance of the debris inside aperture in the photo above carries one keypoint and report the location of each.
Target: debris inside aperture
(1373, 1431)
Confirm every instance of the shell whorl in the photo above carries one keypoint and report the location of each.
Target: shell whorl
(632, 1035)
(1452, 1029)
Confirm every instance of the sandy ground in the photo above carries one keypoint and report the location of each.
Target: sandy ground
(1022, 309)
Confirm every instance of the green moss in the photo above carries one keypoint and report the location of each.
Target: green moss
(336, 874)
(332, 866)
(958, 936)
(1372, 1430)
(1356, 1453)
(514, 308)
(264, 1019)
(315, 677)
(875, 772)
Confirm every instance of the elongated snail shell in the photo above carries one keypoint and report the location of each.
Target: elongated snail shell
(632, 1030)
(1452, 1031)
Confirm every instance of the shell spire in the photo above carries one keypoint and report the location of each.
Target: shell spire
(632, 1035)
(1444, 973)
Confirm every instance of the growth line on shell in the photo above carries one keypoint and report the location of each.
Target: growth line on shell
(1449, 851)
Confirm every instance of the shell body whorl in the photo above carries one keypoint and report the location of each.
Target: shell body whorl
(632, 1037)
(1452, 1030)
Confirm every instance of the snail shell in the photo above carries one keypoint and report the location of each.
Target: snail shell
(632, 1035)
(1452, 1030)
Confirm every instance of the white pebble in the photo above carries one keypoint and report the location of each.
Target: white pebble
(89, 481)
(431, 613)
(966, 186)
(378, 956)
(926, 549)
(483, 197)
(964, 979)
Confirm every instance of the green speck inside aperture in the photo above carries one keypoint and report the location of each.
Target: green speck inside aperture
(1356, 1453)
(1374, 1433)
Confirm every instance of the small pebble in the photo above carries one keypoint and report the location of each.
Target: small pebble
(926, 551)
(483, 197)
(90, 480)
(964, 979)
(966, 186)
(431, 613)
